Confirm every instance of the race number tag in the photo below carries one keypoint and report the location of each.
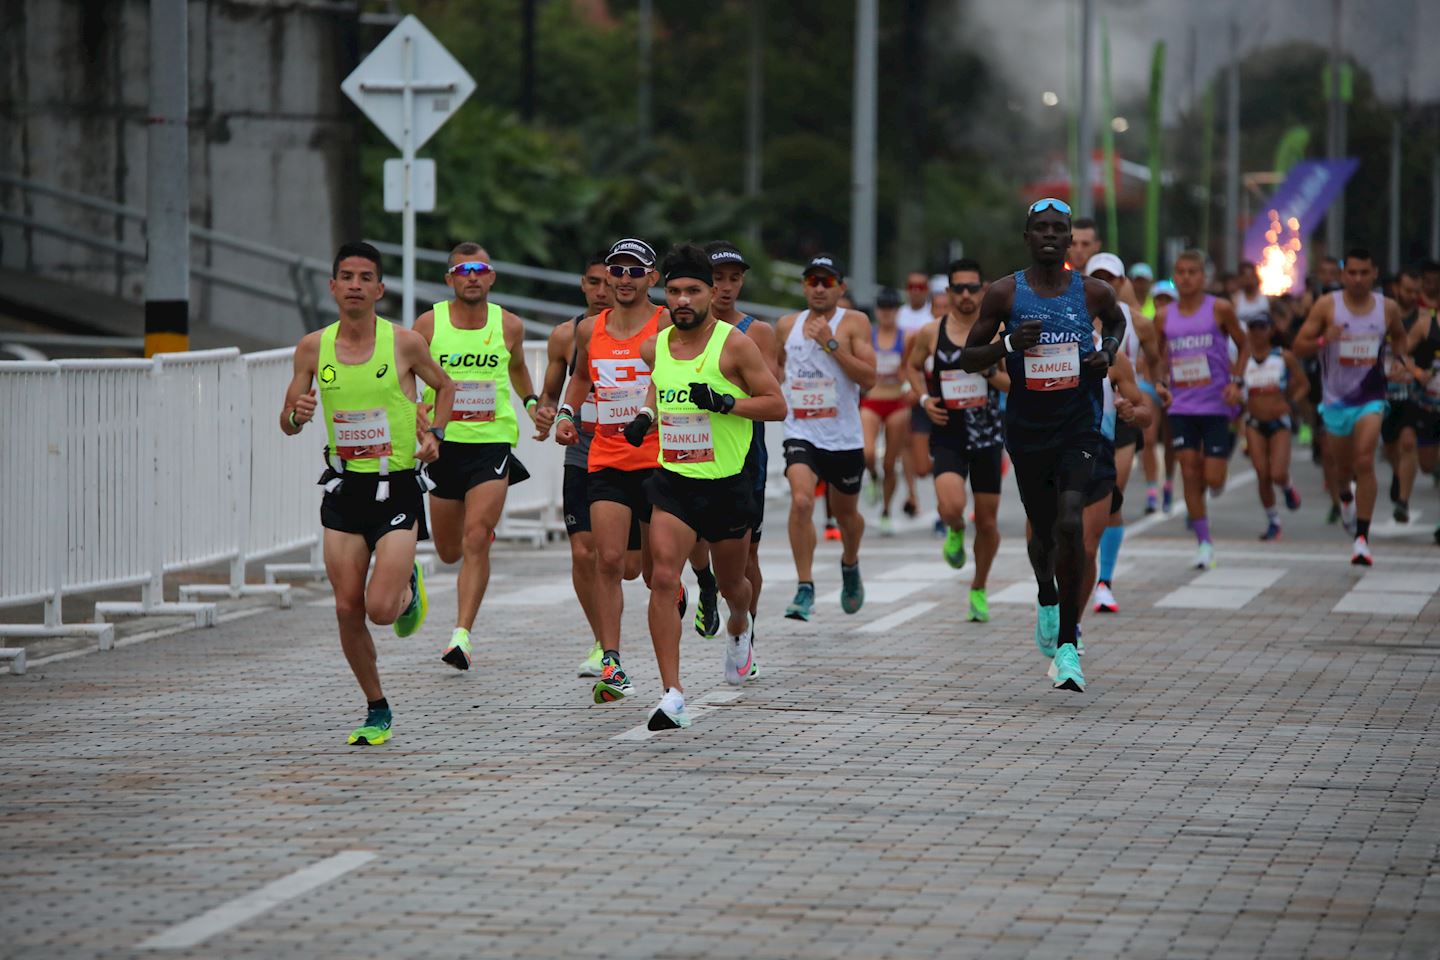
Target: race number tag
(1052, 366)
(686, 438)
(589, 415)
(1193, 371)
(812, 398)
(1263, 379)
(1432, 386)
(362, 434)
(1358, 350)
(961, 390)
(474, 401)
(617, 406)
(887, 364)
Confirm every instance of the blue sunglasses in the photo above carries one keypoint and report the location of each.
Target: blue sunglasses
(470, 268)
(1049, 203)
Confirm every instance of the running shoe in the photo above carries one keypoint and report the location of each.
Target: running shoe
(1333, 517)
(1394, 488)
(887, 526)
(1401, 512)
(669, 713)
(414, 615)
(803, 604)
(939, 527)
(375, 731)
(593, 665)
(1360, 553)
(1167, 499)
(873, 491)
(458, 653)
(1047, 628)
(1304, 435)
(1051, 671)
(1272, 531)
(1205, 557)
(954, 549)
(614, 683)
(1292, 498)
(911, 508)
(1152, 503)
(1068, 675)
(707, 613)
(979, 607)
(832, 531)
(1347, 516)
(682, 602)
(739, 658)
(1104, 599)
(852, 591)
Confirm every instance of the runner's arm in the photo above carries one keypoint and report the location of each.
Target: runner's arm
(558, 347)
(763, 336)
(300, 394)
(1312, 331)
(1230, 323)
(765, 402)
(1299, 382)
(416, 352)
(520, 380)
(1101, 300)
(855, 354)
(1136, 404)
(982, 349)
(580, 383)
(917, 348)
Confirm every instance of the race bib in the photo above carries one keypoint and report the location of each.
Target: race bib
(686, 438)
(589, 415)
(617, 406)
(362, 434)
(1359, 350)
(812, 398)
(960, 390)
(1052, 366)
(474, 401)
(887, 364)
(1193, 371)
(1264, 379)
(1432, 386)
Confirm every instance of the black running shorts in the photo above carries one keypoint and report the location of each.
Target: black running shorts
(462, 466)
(715, 509)
(353, 508)
(980, 466)
(843, 470)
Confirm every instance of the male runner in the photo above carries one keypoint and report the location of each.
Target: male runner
(826, 359)
(1142, 278)
(1053, 411)
(374, 503)
(1347, 329)
(1249, 303)
(886, 408)
(709, 383)
(481, 347)
(1084, 242)
(914, 313)
(967, 435)
(1407, 417)
(608, 359)
(1430, 285)
(728, 269)
(1197, 332)
(560, 350)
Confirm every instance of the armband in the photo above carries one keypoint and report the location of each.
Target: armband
(1006, 342)
(292, 419)
(531, 400)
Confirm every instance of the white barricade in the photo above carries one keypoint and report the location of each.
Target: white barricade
(35, 508)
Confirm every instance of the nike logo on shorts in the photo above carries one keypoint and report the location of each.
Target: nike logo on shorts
(500, 469)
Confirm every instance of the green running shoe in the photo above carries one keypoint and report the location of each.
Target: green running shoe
(1068, 675)
(594, 665)
(375, 731)
(1047, 628)
(707, 614)
(803, 604)
(852, 591)
(414, 615)
(614, 683)
(979, 607)
(458, 653)
(954, 549)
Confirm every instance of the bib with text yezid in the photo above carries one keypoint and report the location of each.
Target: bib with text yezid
(686, 438)
(961, 391)
(360, 434)
(1052, 366)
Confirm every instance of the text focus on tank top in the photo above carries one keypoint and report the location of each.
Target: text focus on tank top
(823, 403)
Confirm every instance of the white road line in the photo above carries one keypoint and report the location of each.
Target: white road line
(895, 619)
(237, 911)
(1389, 594)
(701, 705)
(1155, 519)
(1230, 588)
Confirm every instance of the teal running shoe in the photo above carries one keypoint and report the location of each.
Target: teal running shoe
(1067, 669)
(414, 615)
(852, 591)
(375, 731)
(804, 602)
(1047, 628)
(954, 549)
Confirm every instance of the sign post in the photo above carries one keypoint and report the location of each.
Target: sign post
(409, 86)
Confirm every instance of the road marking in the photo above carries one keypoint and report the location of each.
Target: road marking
(237, 911)
(1230, 588)
(1155, 519)
(885, 624)
(885, 591)
(701, 705)
(1389, 594)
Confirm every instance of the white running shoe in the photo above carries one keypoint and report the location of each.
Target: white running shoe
(669, 713)
(739, 657)
(1205, 557)
(1105, 600)
(1347, 516)
(1360, 553)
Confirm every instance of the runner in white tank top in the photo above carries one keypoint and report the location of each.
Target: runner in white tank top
(826, 359)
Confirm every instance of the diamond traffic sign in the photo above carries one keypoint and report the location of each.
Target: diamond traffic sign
(409, 58)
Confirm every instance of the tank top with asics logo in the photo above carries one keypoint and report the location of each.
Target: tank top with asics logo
(622, 379)
(1352, 371)
(823, 403)
(1049, 402)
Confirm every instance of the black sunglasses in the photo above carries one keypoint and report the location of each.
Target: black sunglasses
(966, 287)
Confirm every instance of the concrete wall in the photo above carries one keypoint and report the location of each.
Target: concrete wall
(271, 144)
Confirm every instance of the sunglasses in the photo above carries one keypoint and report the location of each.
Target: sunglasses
(471, 268)
(821, 280)
(635, 273)
(966, 287)
(1049, 203)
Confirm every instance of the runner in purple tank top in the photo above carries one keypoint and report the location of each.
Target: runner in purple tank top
(1347, 329)
(1195, 333)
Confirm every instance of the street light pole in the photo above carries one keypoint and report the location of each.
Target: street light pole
(167, 183)
(1232, 155)
(1084, 197)
(647, 21)
(862, 159)
(754, 121)
(1335, 222)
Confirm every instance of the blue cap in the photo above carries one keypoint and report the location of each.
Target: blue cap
(1141, 271)
(1164, 288)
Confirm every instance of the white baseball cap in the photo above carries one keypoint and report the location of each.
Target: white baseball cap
(1107, 262)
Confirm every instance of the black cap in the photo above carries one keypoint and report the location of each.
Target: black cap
(630, 247)
(723, 252)
(825, 263)
(887, 297)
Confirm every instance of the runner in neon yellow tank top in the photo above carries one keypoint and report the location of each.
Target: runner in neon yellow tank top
(481, 347)
(709, 382)
(366, 368)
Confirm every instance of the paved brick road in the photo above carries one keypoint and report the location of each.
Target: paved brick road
(1256, 780)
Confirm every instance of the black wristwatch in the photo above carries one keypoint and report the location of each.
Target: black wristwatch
(438, 431)
(831, 345)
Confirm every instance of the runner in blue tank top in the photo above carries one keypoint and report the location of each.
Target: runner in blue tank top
(1053, 412)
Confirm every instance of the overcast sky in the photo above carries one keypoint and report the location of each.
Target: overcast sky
(1398, 41)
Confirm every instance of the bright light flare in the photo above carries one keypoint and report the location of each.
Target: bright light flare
(1278, 260)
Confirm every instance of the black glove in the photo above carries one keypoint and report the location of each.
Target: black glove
(706, 399)
(636, 429)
